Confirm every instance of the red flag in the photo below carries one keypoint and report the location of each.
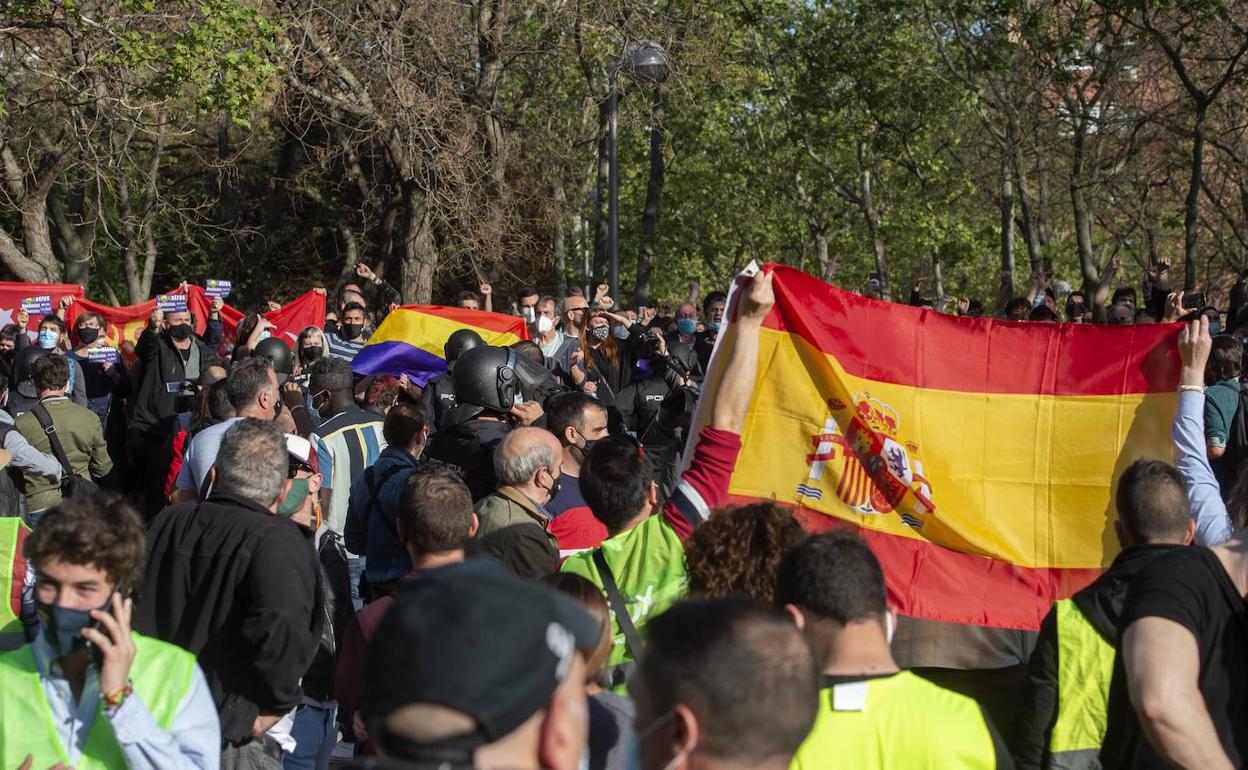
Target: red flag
(13, 292)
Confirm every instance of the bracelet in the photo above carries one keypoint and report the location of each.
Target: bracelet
(114, 699)
(1192, 389)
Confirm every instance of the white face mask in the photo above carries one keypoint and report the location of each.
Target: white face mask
(544, 325)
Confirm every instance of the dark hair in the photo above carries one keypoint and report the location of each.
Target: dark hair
(1152, 503)
(1226, 359)
(213, 406)
(737, 551)
(435, 510)
(1123, 294)
(1077, 293)
(530, 350)
(615, 481)
(975, 309)
(246, 380)
(347, 308)
(4, 380)
(330, 373)
(1018, 305)
(403, 423)
(10, 332)
(99, 530)
(1042, 313)
(54, 321)
(463, 295)
(525, 291)
(743, 668)
(711, 299)
(1144, 316)
(50, 372)
(382, 392)
(567, 410)
(834, 576)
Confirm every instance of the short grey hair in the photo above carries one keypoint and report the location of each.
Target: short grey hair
(515, 465)
(252, 461)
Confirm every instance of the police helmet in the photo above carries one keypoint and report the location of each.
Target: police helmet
(279, 353)
(485, 377)
(24, 369)
(459, 343)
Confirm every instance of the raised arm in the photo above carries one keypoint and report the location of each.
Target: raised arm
(1213, 524)
(736, 388)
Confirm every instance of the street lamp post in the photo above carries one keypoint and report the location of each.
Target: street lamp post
(642, 62)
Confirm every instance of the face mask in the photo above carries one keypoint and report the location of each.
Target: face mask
(712, 325)
(48, 338)
(600, 333)
(544, 325)
(88, 334)
(350, 331)
(584, 449)
(686, 326)
(294, 498)
(277, 407)
(180, 331)
(63, 627)
(311, 353)
(620, 332)
(264, 334)
(554, 485)
(529, 314)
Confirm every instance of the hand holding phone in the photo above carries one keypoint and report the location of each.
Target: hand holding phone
(1194, 300)
(112, 644)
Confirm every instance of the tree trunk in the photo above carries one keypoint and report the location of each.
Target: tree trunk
(560, 241)
(938, 279)
(420, 252)
(872, 218)
(1007, 219)
(1019, 165)
(1191, 205)
(1083, 216)
(600, 197)
(654, 192)
(827, 266)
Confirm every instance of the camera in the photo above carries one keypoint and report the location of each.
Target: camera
(648, 344)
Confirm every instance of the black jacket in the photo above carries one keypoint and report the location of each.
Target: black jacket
(153, 409)
(437, 401)
(469, 446)
(1101, 603)
(237, 586)
(337, 611)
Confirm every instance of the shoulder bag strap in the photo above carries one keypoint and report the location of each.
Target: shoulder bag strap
(45, 420)
(631, 636)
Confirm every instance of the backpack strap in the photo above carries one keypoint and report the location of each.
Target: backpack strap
(631, 636)
(45, 420)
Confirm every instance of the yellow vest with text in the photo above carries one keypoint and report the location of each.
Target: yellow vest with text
(902, 721)
(1085, 666)
(161, 677)
(12, 631)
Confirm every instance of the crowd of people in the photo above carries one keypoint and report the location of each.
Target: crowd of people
(245, 555)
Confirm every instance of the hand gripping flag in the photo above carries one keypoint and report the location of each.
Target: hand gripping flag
(410, 339)
(976, 457)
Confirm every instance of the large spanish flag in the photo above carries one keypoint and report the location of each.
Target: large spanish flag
(977, 457)
(411, 339)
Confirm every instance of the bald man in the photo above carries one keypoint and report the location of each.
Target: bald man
(514, 523)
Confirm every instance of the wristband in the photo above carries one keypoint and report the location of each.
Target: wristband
(114, 699)
(1192, 389)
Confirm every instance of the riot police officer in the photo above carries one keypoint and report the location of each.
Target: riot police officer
(438, 398)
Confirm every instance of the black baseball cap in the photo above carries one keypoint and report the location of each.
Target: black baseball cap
(478, 640)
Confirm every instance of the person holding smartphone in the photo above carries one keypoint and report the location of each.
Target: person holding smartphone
(89, 691)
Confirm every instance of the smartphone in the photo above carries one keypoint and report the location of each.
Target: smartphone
(97, 655)
(1194, 301)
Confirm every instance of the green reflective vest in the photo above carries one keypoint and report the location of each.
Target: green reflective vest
(1085, 666)
(161, 677)
(901, 721)
(12, 632)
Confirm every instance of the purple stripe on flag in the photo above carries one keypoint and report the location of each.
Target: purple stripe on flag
(398, 358)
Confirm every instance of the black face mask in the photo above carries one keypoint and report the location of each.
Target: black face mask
(554, 486)
(88, 334)
(350, 331)
(584, 450)
(180, 331)
(311, 353)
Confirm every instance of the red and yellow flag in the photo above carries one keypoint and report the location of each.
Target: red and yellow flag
(977, 457)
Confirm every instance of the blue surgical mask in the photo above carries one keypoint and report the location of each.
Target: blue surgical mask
(48, 338)
(713, 325)
(264, 334)
(686, 326)
(620, 332)
(63, 627)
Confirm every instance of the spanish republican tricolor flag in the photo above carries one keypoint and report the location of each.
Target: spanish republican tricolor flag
(977, 457)
(410, 339)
